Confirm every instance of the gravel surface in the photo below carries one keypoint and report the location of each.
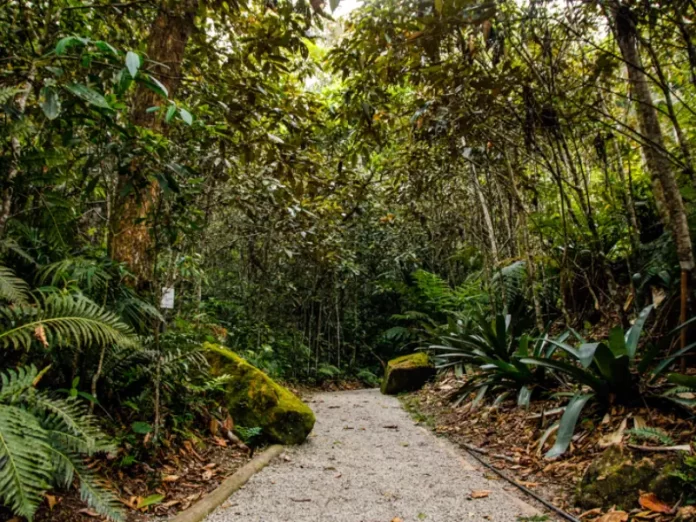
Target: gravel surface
(366, 461)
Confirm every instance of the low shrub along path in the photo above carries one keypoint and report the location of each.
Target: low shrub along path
(367, 461)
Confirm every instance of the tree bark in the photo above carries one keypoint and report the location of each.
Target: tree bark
(653, 146)
(131, 240)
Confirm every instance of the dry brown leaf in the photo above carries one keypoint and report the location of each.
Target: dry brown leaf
(614, 516)
(397, 519)
(228, 424)
(651, 502)
(208, 474)
(40, 335)
(89, 513)
(170, 478)
(214, 425)
(52, 501)
(220, 441)
(481, 493)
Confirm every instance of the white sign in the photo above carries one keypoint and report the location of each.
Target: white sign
(167, 298)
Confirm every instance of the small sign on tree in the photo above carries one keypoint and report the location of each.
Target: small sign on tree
(167, 301)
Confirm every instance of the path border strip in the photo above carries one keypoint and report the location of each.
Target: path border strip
(201, 509)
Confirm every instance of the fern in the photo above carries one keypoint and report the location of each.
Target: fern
(654, 434)
(7, 94)
(63, 319)
(12, 288)
(43, 443)
(247, 434)
(510, 281)
(24, 453)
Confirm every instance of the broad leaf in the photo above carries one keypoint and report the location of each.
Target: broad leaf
(89, 95)
(567, 425)
(50, 104)
(132, 63)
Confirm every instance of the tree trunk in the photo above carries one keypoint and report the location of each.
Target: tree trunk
(6, 204)
(653, 146)
(131, 241)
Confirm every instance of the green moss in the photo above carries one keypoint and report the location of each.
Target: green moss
(254, 399)
(407, 373)
(616, 479)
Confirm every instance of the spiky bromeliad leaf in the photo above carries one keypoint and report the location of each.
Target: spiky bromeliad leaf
(24, 454)
(63, 319)
(12, 288)
(567, 425)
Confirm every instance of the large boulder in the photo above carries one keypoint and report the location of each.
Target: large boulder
(254, 399)
(616, 478)
(407, 373)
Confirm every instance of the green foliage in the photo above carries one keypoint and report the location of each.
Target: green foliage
(651, 434)
(247, 434)
(43, 443)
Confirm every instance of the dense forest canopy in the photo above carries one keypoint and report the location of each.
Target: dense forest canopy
(323, 194)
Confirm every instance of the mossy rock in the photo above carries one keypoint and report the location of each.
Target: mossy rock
(254, 399)
(616, 478)
(407, 373)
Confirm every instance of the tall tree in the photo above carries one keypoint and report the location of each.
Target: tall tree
(131, 240)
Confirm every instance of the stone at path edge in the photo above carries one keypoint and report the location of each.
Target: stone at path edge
(254, 399)
(407, 373)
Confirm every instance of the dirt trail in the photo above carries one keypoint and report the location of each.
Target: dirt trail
(367, 461)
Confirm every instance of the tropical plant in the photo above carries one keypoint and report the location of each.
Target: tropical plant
(44, 441)
(494, 356)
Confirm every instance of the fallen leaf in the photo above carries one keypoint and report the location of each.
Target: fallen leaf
(52, 501)
(651, 502)
(397, 519)
(89, 513)
(614, 516)
(170, 478)
(481, 493)
(228, 424)
(214, 426)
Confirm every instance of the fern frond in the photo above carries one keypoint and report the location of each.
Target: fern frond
(69, 420)
(64, 319)
(93, 490)
(15, 382)
(655, 434)
(12, 288)
(86, 273)
(24, 454)
(7, 94)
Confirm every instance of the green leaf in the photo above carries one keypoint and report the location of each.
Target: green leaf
(69, 41)
(141, 428)
(524, 396)
(438, 6)
(155, 85)
(334, 4)
(89, 95)
(186, 116)
(151, 500)
(275, 139)
(567, 425)
(633, 334)
(171, 111)
(51, 103)
(688, 381)
(132, 63)
(106, 47)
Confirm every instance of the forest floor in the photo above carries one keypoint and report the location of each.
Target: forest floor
(507, 437)
(367, 461)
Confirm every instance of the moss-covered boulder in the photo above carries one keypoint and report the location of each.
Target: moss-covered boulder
(407, 373)
(254, 399)
(616, 478)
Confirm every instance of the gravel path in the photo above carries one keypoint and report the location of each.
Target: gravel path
(366, 461)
